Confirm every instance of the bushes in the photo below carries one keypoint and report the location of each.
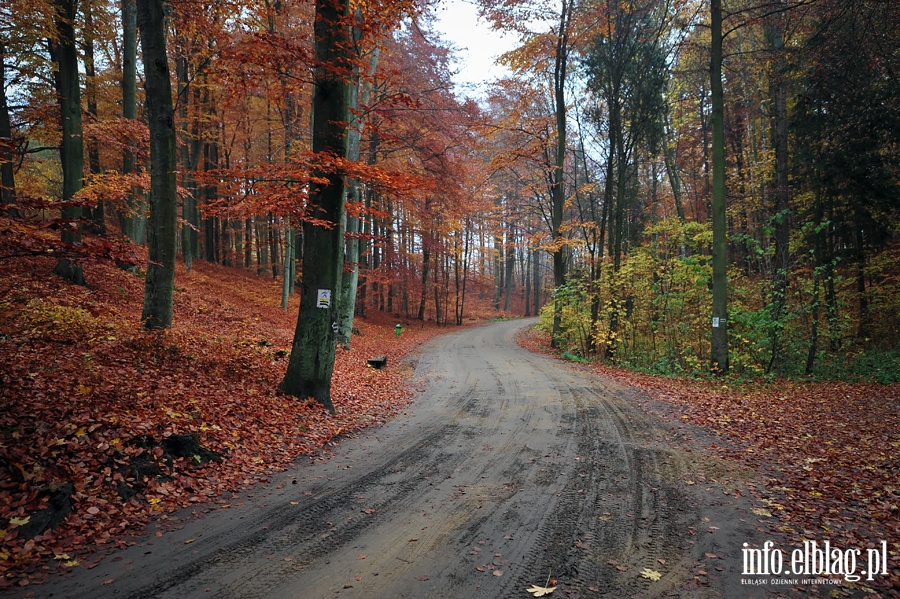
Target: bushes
(662, 298)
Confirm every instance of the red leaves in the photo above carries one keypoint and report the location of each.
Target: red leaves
(86, 398)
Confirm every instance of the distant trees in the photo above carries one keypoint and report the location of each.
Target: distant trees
(712, 217)
(613, 168)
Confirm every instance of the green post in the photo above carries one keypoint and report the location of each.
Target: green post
(397, 329)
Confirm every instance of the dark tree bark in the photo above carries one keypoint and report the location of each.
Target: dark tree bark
(134, 219)
(160, 281)
(312, 354)
(559, 187)
(781, 217)
(64, 53)
(719, 349)
(7, 147)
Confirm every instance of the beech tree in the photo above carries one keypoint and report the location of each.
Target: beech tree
(162, 238)
(312, 353)
(719, 349)
(64, 53)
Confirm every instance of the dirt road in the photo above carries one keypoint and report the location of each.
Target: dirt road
(510, 467)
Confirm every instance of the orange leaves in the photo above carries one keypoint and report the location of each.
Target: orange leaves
(92, 410)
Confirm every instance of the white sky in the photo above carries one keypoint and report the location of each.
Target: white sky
(478, 46)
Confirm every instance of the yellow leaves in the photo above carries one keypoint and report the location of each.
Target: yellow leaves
(20, 521)
(540, 591)
(81, 432)
(153, 500)
(83, 390)
(762, 512)
(651, 574)
(62, 556)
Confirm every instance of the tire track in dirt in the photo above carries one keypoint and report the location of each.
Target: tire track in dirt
(508, 462)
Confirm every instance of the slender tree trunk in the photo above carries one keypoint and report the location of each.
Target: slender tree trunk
(162, 240)
(190, 156)
(781, 218)
(248, 243)
(719, 349)
(559, 188)
(426, 263)
(287, 287)
(817, 270)
(356, 93)
(312, 356)
(7, 147)
(64, 53)
(864, 319)
(97, 220)
(134, 219)
(671, 160)
(510, 252)
(526, 272)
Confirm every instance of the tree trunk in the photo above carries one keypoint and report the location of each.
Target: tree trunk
(719, 348)
(862, 332)
(781, 217)
(7, 147)
(312, 355)
(97, 220)
(159, 285)
(64, 53)
(356, 93)
(559, 187)
(426, 263)
(134, 217)
(510, 255)
(190, 156)
(526, 273)
(290, 259)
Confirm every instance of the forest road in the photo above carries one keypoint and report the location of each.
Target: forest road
(510, 467)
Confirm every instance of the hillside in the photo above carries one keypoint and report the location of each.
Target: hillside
(103, 425)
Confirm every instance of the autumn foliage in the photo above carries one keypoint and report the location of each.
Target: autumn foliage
(88, 402)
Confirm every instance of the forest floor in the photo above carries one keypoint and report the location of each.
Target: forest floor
(828, 452)
(96, 417)
(88, 401)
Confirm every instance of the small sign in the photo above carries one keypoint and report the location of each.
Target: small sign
(324, 300)
(715, 322)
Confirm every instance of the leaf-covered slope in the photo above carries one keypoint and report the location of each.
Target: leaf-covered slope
(103, 425)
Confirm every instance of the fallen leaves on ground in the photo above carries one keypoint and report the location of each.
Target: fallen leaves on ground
(829, 452)
(87, 398)
(540, 591)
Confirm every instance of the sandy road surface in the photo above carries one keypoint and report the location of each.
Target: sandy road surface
(508, 467)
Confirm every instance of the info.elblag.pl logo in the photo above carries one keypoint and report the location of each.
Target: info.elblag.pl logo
(813, 559)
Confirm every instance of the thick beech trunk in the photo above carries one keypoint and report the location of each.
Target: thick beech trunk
(312, 354)
(64, 53)
(160, 281)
